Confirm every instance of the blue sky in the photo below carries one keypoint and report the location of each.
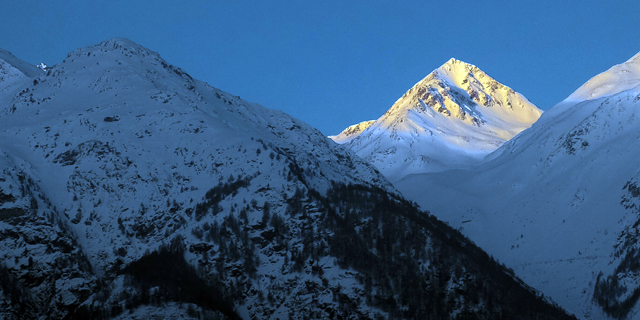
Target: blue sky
(336, 63)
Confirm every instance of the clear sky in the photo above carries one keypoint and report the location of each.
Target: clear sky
(336, 63)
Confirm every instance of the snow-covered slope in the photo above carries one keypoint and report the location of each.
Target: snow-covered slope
(559, 202)
(452, 118)
(116, 122)
(619, 78)
(151, 174)
(42, 266)
(125, 145)
(352, 132)
(14, 70)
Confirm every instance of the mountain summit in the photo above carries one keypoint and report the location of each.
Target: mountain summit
(451, 118)
(618, 78)
(14, 70)
(560, 202)
(127, 185)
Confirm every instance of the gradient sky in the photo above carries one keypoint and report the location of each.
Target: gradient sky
(336, 63)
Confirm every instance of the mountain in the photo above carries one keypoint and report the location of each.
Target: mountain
(352, 132)
(559, 203)
(131, 190)
(14, 70)
(38, 252)
(619, 78)
(450, 119)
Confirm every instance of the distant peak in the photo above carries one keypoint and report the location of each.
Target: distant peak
(117, 43)
(352, 132)
(358, 127)
(121, 45)
(451, 62)
(618, 78)
(456, 67)
(454, 61)
(25, 68)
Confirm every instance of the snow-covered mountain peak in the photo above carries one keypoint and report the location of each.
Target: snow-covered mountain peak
(456, 70)
(119, 107)
(116, 165)
(564, 190)
(454, 63)
(112, 69)
(458, 90)
(9, 60)
(120, 45)
(121, 52)
(117, 53)
(352, 132)
(453, 117)
(618, 78)
(14, 70)
(121, 42)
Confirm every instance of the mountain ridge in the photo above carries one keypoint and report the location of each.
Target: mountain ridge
(14, 71)
(140, 172)
(451, 118)
(569, 223)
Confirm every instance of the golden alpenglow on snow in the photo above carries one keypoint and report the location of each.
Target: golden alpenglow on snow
(450, 119)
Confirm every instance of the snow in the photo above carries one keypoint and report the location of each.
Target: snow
(14, 72)
(548, 202)
(25, 68)
(618, 78)
(352, 132)
(452, 118)
(125, 145)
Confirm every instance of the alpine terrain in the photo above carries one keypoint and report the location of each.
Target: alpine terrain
(130, 190)
(450, 119)
(560, 203)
